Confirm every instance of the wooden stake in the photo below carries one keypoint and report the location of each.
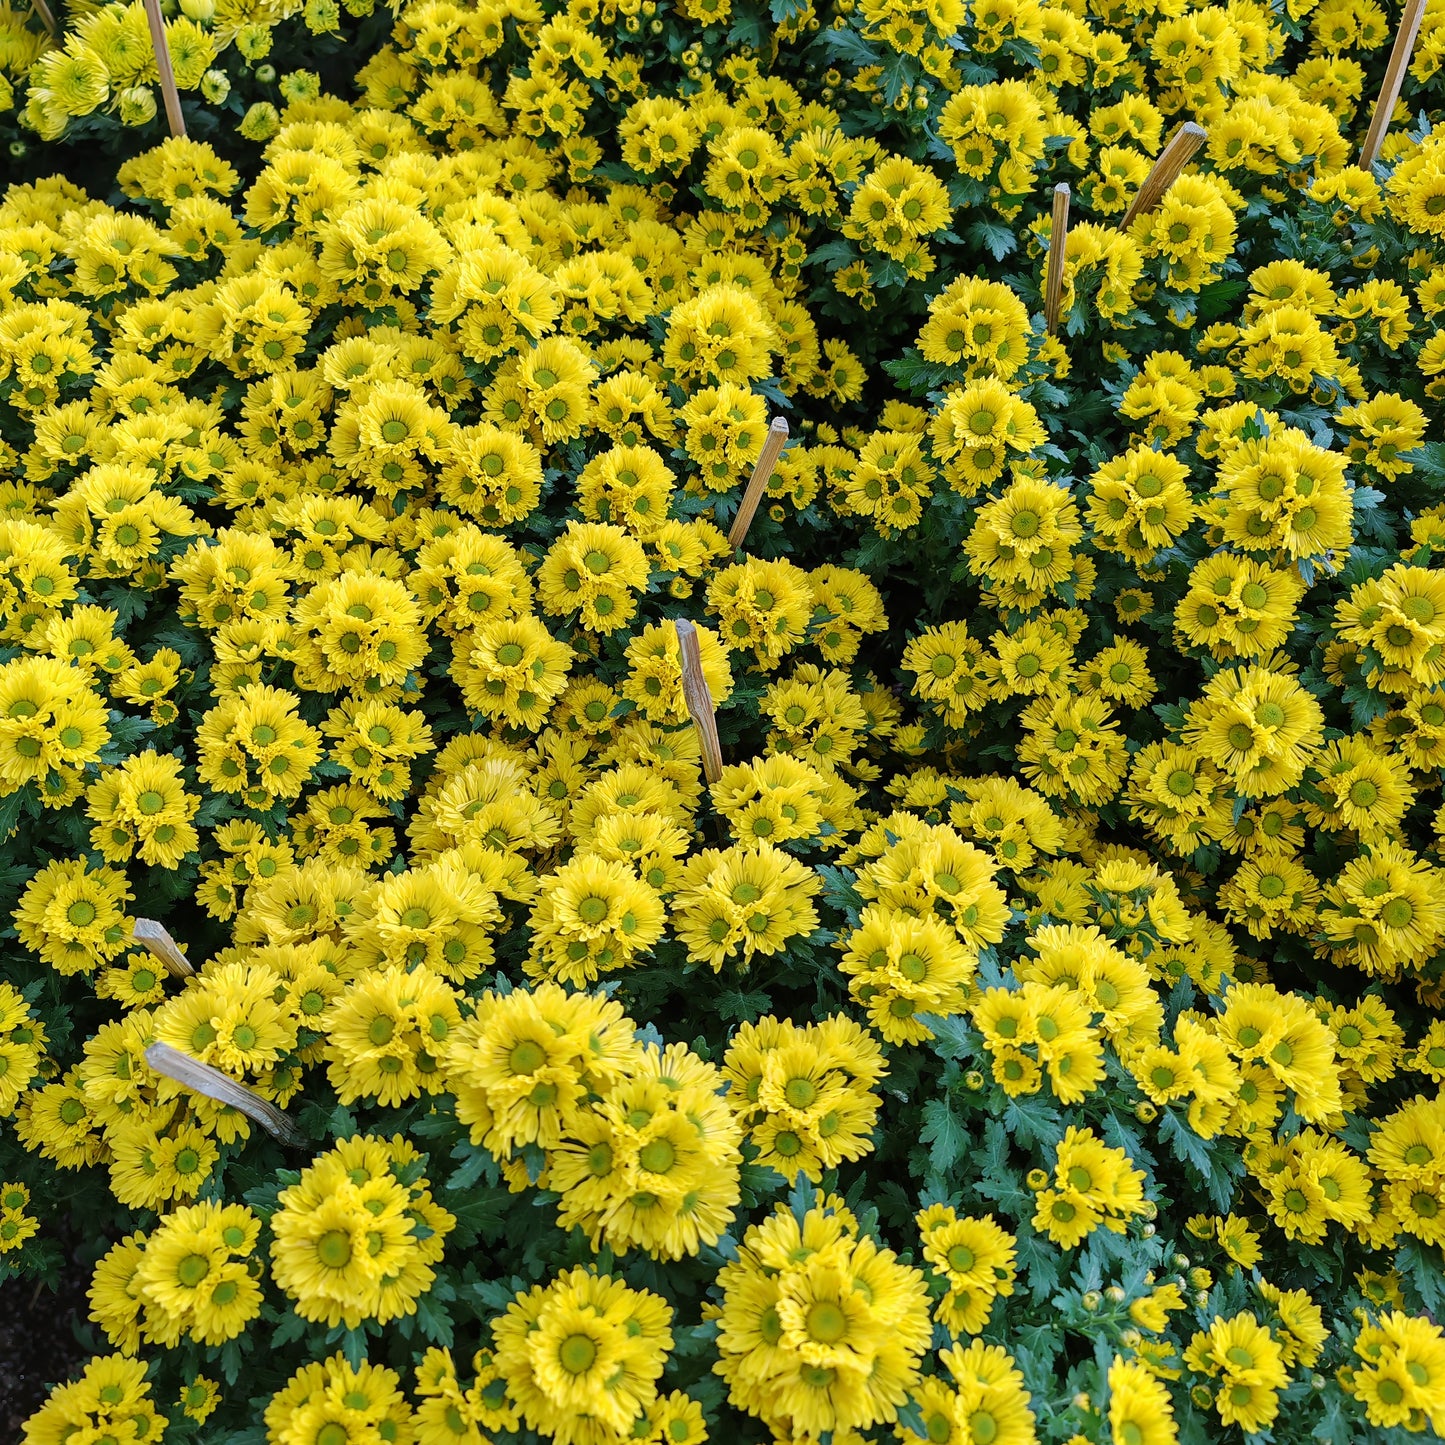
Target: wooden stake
(159, 944)
(201, 1078)
(46, 14)
(1054, 277)
(758, 482)
(698, 698)
(1405, 37)
(163, 67)
(1172, 159)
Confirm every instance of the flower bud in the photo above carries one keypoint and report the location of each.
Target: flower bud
(261, 122)
(137, 105)
(254, 41)
(300, 85)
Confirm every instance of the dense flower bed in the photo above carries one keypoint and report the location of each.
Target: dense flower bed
(1035, 1032)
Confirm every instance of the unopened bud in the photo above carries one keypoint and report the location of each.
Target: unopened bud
(136, 104)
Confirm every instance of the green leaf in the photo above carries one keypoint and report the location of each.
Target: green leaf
(1170, 714)
(848, 46)
(353, 1346)
(944, 1133)
(994, 237)
(233, 1360)
(469, 1171)
(126, 732)
(1195, 1154)
(1033, 1122)
(748, 31)
(11, 806)
(1215, 299)
(783, 11)
(435, 1320)
(911, 1417)
(1038, 1262)
(914, 374)
(735, 1005)
(1422, 1268)
(835, 255)
(953, 1036)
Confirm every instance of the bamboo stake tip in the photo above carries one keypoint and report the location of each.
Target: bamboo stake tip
(1062, 189)
(154, 938)
(1194, 130)
(772, 449)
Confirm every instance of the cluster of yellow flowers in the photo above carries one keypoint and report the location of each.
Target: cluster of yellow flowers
(194, 1276)
(1071, 893)
(16, 1225)
(805, 1093)
(634, 1139)
(819, 1330)
(352, 1242)
(103, 70)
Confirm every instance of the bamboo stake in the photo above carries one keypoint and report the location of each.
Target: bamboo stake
(1400, 53)
(1058, 239)
(201, 1078)
(159, 944)
(163, 67)
(1172, 159)
(46, 14)
(699, 699)
(758, 482)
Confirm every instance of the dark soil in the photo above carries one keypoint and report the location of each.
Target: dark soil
(38, 1344)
